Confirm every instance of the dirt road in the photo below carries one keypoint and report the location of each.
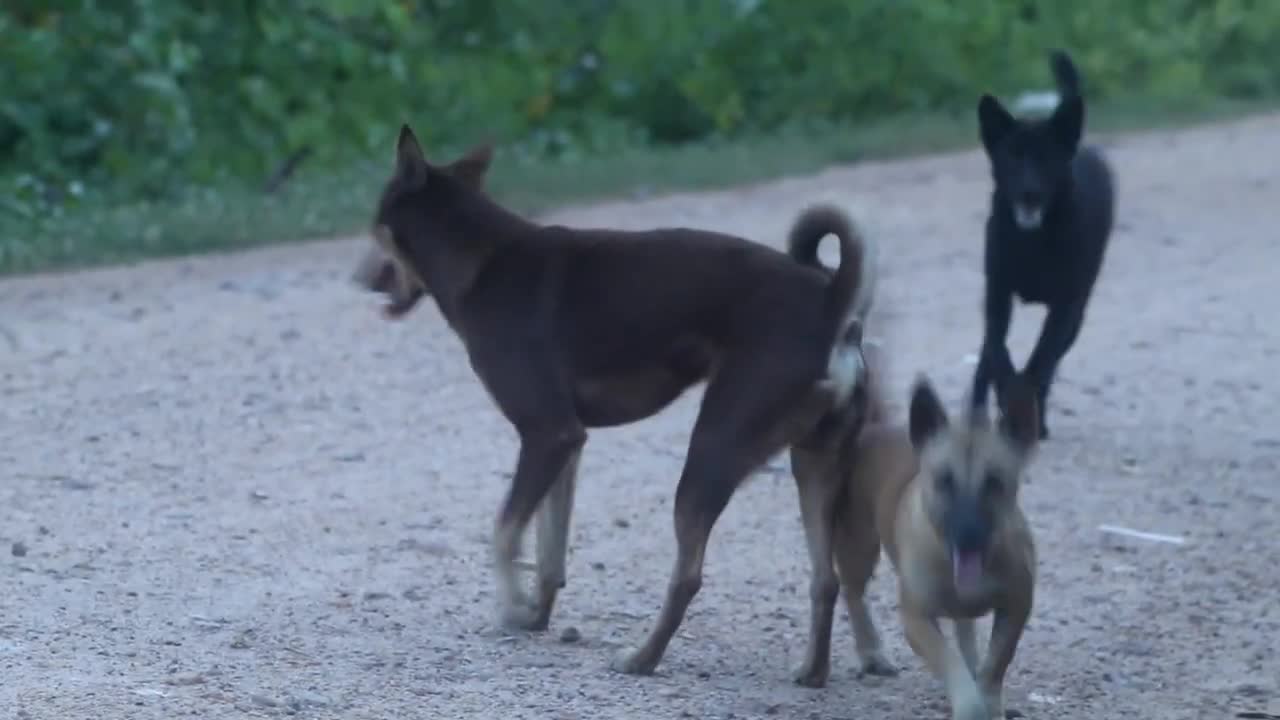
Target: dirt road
(230, 490)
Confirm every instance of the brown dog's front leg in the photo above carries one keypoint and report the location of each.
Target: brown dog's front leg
(1006, 631)
(543, 459)
(553, 539)
(944, 660)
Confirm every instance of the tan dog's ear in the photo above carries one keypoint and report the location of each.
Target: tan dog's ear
(926, 416)
(411, 163)
(472, 167)
(1020, 420)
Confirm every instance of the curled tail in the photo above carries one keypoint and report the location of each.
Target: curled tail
(848, 296)
(1065, 74)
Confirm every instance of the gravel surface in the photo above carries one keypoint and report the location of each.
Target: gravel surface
(231, 490)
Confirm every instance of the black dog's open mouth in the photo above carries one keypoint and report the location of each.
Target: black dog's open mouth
(1028, 216)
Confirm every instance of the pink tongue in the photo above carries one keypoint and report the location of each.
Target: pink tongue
(967, 566)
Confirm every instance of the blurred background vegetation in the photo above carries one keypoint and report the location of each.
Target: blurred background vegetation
(139, 127)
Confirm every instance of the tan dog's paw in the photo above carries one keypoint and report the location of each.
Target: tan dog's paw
(811, 675)
(875, 663)
(995, 705)
(970, 706)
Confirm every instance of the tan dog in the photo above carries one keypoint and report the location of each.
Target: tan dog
(942, 498)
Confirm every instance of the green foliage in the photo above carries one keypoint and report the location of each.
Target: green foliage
(141, 99)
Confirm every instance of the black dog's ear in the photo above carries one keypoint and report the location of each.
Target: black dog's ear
(411, 164)
(1020, 415)
(994, 122)
(1067, 122)
(926, 416)
(472, 167)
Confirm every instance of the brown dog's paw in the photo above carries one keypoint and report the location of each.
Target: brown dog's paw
(630, 661)
(521, 614)
(876, 665)
(811, 676)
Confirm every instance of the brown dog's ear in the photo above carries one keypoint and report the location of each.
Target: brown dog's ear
(411, 163)
(472, 167)
(926, 416)
(1020, 416)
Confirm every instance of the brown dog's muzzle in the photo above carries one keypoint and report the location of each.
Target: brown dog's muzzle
(378, 272)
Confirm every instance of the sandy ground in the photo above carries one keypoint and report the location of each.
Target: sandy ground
(231, 490)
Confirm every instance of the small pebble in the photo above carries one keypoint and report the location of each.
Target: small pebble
(19, 549)
(308, 699)
(570, 635)
(186, 679)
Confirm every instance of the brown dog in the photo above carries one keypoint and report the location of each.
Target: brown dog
(942, 498)
(572, 329)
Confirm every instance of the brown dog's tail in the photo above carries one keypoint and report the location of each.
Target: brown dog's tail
(850, 293)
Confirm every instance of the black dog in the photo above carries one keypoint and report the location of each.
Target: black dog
(1050, 222)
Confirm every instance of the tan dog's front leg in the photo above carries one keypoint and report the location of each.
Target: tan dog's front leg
(1006, 630)
(968, 642)
(945, 661)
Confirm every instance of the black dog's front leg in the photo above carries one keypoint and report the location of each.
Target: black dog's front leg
(1061, 328)
(994, 363)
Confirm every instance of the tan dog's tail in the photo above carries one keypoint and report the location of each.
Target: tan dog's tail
(851, 290)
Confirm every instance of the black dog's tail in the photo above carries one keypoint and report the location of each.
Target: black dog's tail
(1065, 74)
(850, 293)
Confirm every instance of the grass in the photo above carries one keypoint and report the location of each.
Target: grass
(318, 204)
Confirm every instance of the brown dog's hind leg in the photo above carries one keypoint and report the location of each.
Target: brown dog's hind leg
(712, 473)
(553, 539)
(734, 433)
(544, 456)
(742, 422)
(818, 484)
(857, 552)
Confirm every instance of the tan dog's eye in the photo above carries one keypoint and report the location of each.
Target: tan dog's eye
(992, 486)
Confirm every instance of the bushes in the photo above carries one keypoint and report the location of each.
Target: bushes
(138, 97)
